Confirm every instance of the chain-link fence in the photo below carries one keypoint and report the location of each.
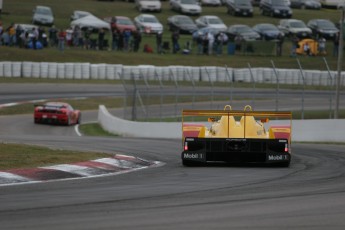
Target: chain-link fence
(158, 92)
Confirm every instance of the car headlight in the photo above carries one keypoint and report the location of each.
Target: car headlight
(276, 11)
(237, 9)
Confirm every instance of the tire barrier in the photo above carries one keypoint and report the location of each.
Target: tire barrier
(210, 74)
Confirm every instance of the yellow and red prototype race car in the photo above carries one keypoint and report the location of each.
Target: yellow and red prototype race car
(56, 113)
(236, 136)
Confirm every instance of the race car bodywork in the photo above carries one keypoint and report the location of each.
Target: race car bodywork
(236, 136)
(56, 113)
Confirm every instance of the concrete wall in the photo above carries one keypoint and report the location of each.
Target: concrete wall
(325, 130)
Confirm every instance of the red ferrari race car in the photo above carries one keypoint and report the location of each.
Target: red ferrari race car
(56, 113)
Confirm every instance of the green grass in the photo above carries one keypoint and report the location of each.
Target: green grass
(94, 129)
(19, 11)
(27, 156)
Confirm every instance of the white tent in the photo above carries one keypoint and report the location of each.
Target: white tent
(90, 21)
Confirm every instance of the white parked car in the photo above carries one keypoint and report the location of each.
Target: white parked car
(186, 6)
(79, 14)
(211, 2)
(211, 21)
(295, 27)
(148, 5)
(148, 23)
(43, 15)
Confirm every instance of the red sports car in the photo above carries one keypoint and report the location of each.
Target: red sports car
(56, 113)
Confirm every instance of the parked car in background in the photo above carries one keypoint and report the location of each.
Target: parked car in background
(26, 28)
(323, 28)
(121, 23)
(268, 31)
(183, 23)
(148, 23)
(211, 2)
(244, 31)
(211, 21)
(191, 7)
(331, 3)
(291, 27)
(239, 7)
(43, 15)
(203, 31)
(275, 8)
(148, 5)
(79, 14)
(306, 4)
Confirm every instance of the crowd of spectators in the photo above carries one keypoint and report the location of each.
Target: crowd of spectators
(37, 37)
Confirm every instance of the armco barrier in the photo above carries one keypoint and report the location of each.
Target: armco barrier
(172, 73)
(325, 130)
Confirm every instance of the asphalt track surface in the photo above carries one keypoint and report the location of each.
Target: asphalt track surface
(310, 194)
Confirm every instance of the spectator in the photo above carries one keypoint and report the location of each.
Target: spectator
(221, 39)
(93, 40)
(210, 39)
(199, 41)
(306, 49)
(77, 37)
(53, 38)
(19, 30)
(69, 37)
(322, 46)
(61, 40)
(238, 42)
(41, 31)
(175, 38)
(159, 42)
(121, 41)
(44, 40)
(12, 34)
(126, 38)
(27, 39)
(205, 43)
(35, 35)
(137, 41)
(23, 37)
(101, 35)
(294, 45)
(280, 41)
(115, 39)
(5, 37)
(87, 41)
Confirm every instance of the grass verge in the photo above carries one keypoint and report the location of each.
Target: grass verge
(94, 129)
(27, 156)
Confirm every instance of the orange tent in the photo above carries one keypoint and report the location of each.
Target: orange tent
(312, 44)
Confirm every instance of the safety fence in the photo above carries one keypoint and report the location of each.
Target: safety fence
(212, 74)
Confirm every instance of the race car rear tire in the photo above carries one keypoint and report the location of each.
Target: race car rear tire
(79, 119)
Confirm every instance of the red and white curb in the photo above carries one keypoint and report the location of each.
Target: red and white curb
(95, 168)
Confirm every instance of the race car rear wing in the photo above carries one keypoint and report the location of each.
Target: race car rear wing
(229, 123)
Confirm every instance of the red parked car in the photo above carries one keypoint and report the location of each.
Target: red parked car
(121, 23)
(56, 113)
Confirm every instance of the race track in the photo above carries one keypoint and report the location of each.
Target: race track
(310, 194)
